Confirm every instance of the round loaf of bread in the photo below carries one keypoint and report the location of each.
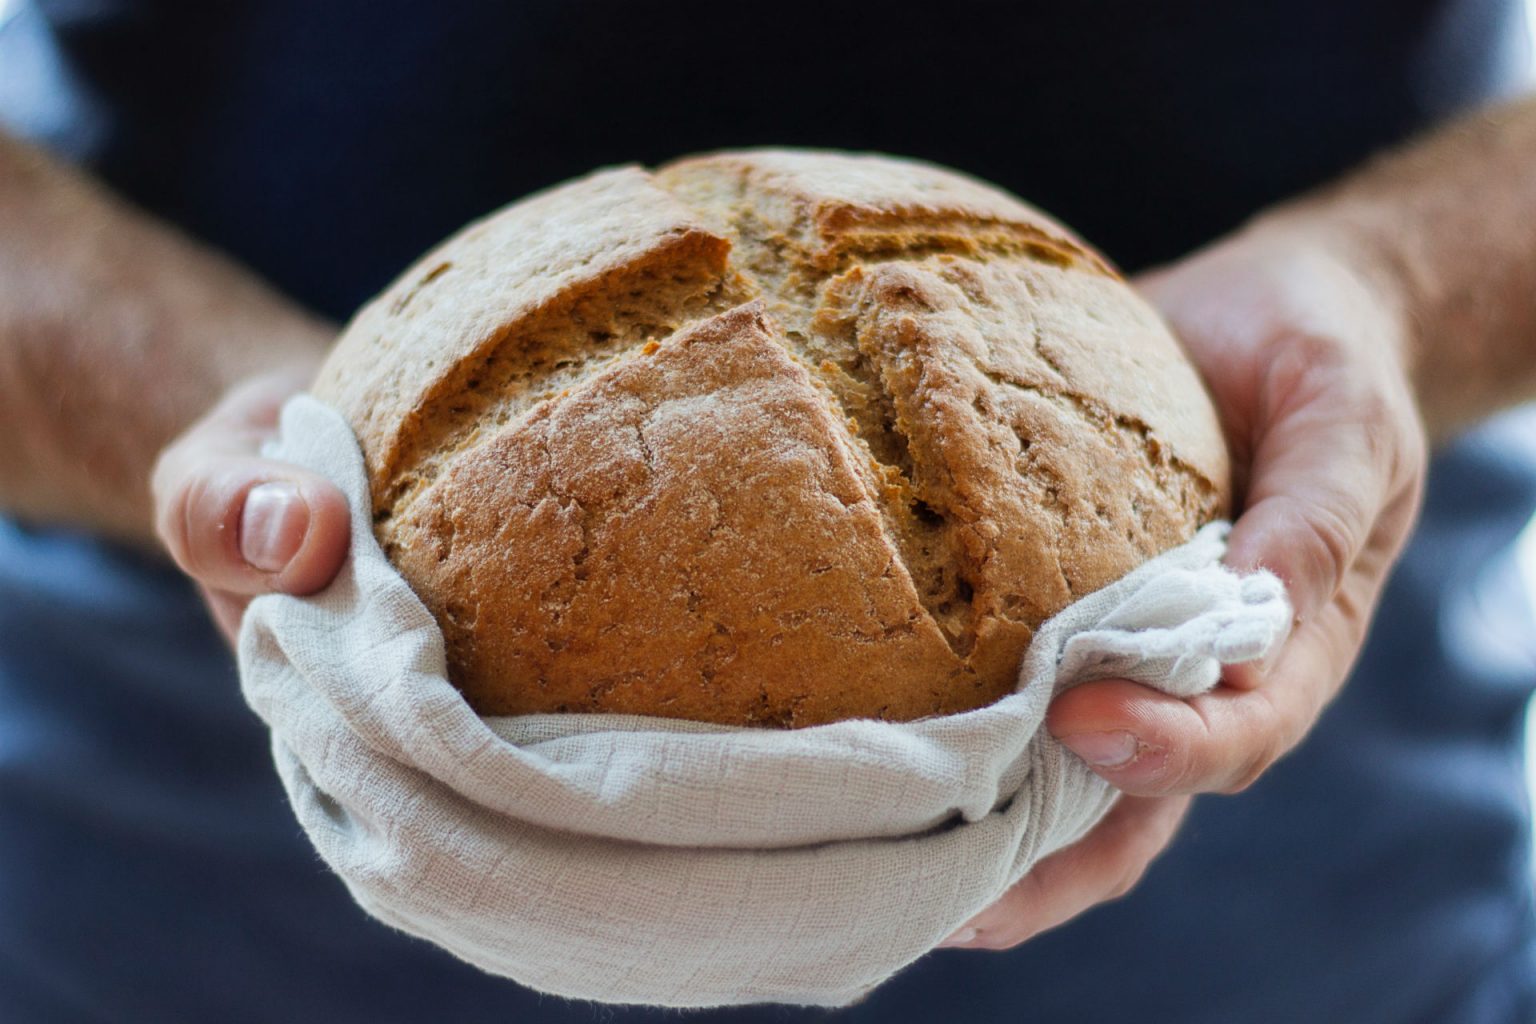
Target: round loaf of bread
(767, 438)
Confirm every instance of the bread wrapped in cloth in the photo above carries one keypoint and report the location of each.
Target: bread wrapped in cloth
(767, 438)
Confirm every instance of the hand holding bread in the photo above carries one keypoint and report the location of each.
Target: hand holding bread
(697, 443)
(1306, 357)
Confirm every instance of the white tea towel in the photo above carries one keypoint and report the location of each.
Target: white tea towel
(642, 860)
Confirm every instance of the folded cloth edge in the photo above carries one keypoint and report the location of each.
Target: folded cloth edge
(370, 764)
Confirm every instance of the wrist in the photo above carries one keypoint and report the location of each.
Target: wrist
(291, 373)
(288, 346)
(1369, 274)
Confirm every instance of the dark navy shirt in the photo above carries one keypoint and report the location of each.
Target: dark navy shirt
(149, 867)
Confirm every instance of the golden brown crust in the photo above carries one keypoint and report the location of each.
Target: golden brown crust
(767, 437)
(699, 525)
(419, 360)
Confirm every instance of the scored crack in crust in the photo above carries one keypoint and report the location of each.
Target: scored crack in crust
(767, 437)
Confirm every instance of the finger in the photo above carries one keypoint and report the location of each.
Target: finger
(1330, 457)
(1106, 864)
(1328, 517)
(241, 524)
(247, 525)
(1148, 743)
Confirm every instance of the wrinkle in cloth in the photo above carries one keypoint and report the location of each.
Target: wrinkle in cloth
(627, 859)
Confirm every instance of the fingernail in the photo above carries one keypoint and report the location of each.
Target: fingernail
(963, 937)
(1103, 749)
(273, 525)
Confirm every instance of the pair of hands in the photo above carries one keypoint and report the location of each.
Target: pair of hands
(1306, 355)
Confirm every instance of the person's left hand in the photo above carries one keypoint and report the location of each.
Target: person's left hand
(240, 524)
(1304, 349)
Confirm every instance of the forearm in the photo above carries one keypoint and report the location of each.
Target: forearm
(115, 333)
(1446, 231)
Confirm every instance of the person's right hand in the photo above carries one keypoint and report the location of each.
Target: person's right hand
(1303, 347)
(237, 523)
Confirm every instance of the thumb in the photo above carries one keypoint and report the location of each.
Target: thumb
(248, 525)
(238, 523)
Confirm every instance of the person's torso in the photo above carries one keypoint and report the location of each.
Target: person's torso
(1373, 876)
(327, 144)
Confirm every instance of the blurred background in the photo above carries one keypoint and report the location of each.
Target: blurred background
(1528, 538)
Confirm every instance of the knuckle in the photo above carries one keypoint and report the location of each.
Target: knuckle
(1378, 421)
(196, 522)
(172, 520)
(1373, 407)
(1268, 743)
(1183, 772)
(1193, 764)
(1410, 457)
(1250, 768)
(1393, 436)
(1329, 543)
(1308, 348)
(1010, 920)
(1001, 938)
(167, 477)
(188, 525)
(1124, 884)
(1299, 367)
